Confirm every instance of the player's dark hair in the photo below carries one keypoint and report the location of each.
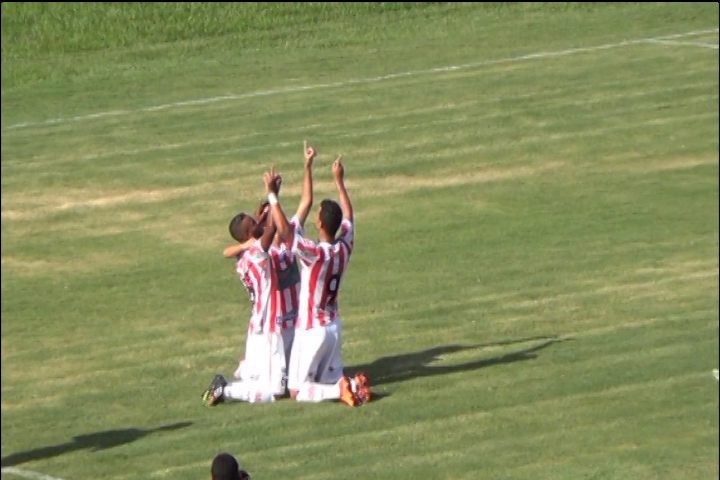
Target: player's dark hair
(330, 216)
(236, 232)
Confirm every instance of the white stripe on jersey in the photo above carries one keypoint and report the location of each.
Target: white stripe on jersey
(322, 265)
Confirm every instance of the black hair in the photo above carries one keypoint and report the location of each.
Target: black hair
(330, 216)
(234, 227)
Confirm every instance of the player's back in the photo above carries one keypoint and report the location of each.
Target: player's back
(322, 266)
(254, 269)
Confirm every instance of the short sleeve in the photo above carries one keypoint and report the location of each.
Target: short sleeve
(347, 233)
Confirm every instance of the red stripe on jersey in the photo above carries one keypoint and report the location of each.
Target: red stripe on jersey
(316, 269)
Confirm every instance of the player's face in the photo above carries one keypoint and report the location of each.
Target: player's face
(251, 226)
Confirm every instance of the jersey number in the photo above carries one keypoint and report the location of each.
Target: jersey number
(332, 288)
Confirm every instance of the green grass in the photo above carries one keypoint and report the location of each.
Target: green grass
(534, 290)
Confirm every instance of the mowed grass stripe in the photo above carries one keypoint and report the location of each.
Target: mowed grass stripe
(446, 148)
(491, 435)
(311, 86)
(401, 145)
(700, 275)
(496, 421)
(45, 395)
(135, 354)
(104, 226)
(405, 147)
(297, 107)
(367, 124)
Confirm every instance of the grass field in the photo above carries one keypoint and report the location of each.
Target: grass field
(534, 290)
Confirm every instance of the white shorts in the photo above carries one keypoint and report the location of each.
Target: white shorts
(265, 362)
(316, 355)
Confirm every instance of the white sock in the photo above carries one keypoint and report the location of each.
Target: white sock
(317, 392)
(241, 391)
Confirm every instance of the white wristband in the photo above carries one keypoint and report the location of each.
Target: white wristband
(272, 198)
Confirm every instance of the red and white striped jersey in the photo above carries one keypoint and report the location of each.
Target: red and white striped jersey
(288, 285)
(256, 271)
(322, 265)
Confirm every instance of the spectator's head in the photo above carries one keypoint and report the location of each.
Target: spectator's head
(226, 467)
(329, 217)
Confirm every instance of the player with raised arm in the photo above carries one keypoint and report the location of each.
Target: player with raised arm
(265, 364)
(315, 371)
(283, 259)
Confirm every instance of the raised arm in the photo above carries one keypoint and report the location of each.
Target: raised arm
(339, 174)
(268, 233)
(284, 230)
(307, 194)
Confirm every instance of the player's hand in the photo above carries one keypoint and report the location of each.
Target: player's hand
(272, 180)
(310, 153)
(278, 182)
(338, 169)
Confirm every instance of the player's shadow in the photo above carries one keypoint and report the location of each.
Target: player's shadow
(94, 441)
(405, 366)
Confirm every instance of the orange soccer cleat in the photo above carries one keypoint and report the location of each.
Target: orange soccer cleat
(361, 388)
(346, 393)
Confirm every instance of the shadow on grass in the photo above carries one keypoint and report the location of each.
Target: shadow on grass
(93, 441)
(405, 366)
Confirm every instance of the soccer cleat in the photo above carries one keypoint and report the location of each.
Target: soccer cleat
(346, 393)
(214, 393)
(361, 388)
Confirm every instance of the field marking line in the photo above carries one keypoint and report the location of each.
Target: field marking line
(357, 81)
(37, 160)
(684, 43)
(28, 474)
(716, 374)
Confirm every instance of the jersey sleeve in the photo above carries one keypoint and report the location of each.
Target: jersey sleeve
(347, 234)
(297, 228)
